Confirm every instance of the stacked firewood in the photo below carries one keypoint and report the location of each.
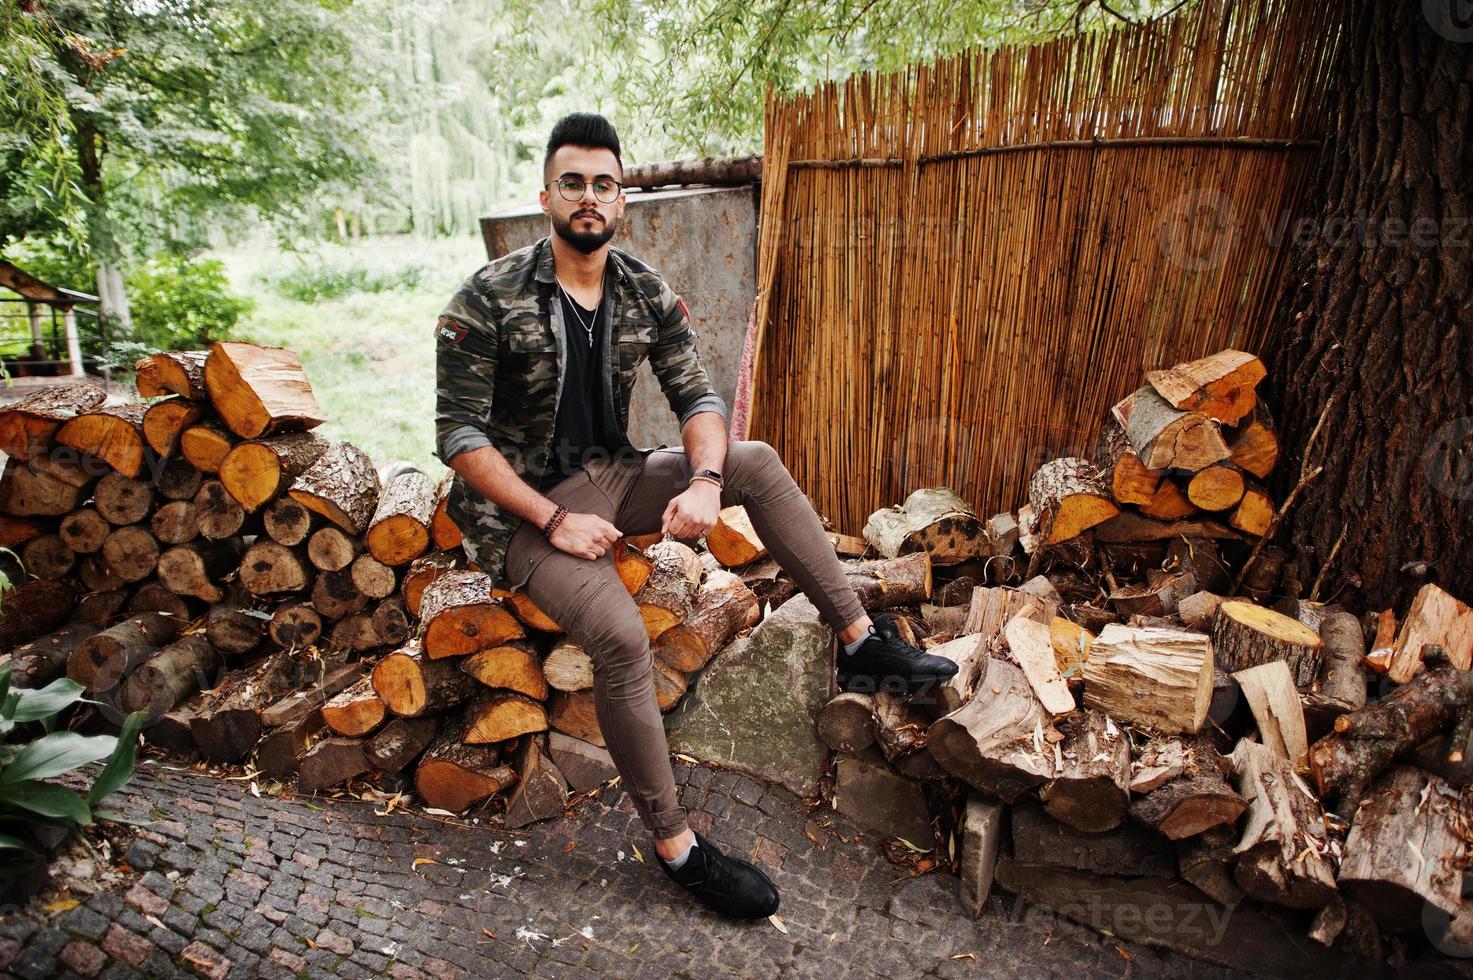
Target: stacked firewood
(1117, 677)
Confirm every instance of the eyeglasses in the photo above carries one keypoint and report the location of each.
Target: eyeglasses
(570, 187)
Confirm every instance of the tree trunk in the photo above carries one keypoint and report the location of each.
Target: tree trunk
(1376, 321)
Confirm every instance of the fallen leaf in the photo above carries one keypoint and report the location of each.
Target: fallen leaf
(487, 932)
(419, 861)
(965, 956)
(569, 846)
(1123, 954)
(61, 904)
(255, 790)
(637, 856)
(777, 921)
(913, 847)
(436, 811)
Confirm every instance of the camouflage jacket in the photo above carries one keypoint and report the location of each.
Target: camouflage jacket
(499, 369)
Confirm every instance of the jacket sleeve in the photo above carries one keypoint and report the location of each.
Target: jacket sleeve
(466, 340)
(676, 363)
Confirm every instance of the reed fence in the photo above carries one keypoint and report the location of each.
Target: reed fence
(962, 266)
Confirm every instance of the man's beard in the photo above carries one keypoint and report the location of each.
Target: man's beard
(586, 242)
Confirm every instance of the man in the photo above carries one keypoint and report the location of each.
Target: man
(536, 359)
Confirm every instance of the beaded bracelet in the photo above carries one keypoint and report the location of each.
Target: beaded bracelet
(554, 520)
(706, 479)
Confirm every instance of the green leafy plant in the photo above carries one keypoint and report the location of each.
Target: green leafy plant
(182, 303)
(328, 277)
(34, 812)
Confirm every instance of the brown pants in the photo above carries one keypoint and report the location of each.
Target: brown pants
(587, 599)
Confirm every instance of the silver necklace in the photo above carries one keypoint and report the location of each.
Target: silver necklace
(573, 303)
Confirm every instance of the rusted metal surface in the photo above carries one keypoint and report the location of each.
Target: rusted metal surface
(704, 241)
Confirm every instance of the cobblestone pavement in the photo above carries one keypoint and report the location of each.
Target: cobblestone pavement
(233, 885)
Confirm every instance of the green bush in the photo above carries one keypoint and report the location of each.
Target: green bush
(34, 813)
(181, 303)
(325, 278)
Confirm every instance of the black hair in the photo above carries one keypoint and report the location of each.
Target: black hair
(583, 129)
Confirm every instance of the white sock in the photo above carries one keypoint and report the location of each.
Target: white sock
(851, 647)
(677, 863)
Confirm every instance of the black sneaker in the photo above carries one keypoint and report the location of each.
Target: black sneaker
(727, 885)
(885, 662)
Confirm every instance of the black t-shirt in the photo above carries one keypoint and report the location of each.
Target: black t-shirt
(579, 425)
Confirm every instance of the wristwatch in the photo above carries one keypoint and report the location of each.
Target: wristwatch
(710, 475)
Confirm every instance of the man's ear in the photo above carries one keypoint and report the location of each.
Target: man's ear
(545, 201)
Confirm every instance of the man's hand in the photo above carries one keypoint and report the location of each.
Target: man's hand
(585, 535)
(693, 512)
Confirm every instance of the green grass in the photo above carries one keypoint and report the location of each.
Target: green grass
(369, 355)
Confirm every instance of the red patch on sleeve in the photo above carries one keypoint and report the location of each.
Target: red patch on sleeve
(449, 331)
(681, 303)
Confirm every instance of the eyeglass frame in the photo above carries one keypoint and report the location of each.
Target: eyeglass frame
(587, 185)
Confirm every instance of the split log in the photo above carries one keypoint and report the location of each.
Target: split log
(567, 667)
(233, 626)
(1031, 647)
(723, 607)
(847, 722)
(270, 569)
(1071, 643)
(733, 541)
(157, 597)
(1222, 385)
(32, 608)
(584, 766)
(39, 662)
(410, 684)
(459, 614)
(111, 433)
(1088, 790)
(295, 625)
(944, 621)
(1201, 558)
(178, 480)
(1159, 596)
(331, 762)
(336, 597)
(391, 624)
(1435, 619)
(1405, 850)
(1168, 503)
(396, 745)
(1068, 497)
(28, 427)
(1343, 678)
(510, 666)
(331, 550)
(444, 532)
(454, 776)
(220, 515)
(226, 724)
(1218, 487)
(316, 691)
(1245, 634)
(47, 556)
(356, 710)
(900, 728)
(531, 616)
(27, 492)
(422, 571)
(1150, 676)
(179, 373)
(1129, 528)
(1128, 479)
(993, 742)
(1191, 795)
(197, 568)
(170, 731)
(205, 445)
(259, 471)
(1279, 853)
(665, 598)
(885, 582)
(1255, 445)
(573, 713)
(400, 529)
(1198, 610)
(541, 791)
(935, 521)
(120, 500)
(341, 485)
(632, 565)
(1269, 690)
(969, 652)
(1206, 862)
(259, 390)
(286, 521)
(104, 659)
(1255, 512)
(165, 680)
(1367, 741)
(1165, 437)
(372, 577)
(164, 423)
(500, 715)
(132, 552)
(280, 752)
(176, 522)
(992, 608)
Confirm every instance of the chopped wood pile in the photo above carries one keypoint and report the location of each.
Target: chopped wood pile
(1133, 661)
